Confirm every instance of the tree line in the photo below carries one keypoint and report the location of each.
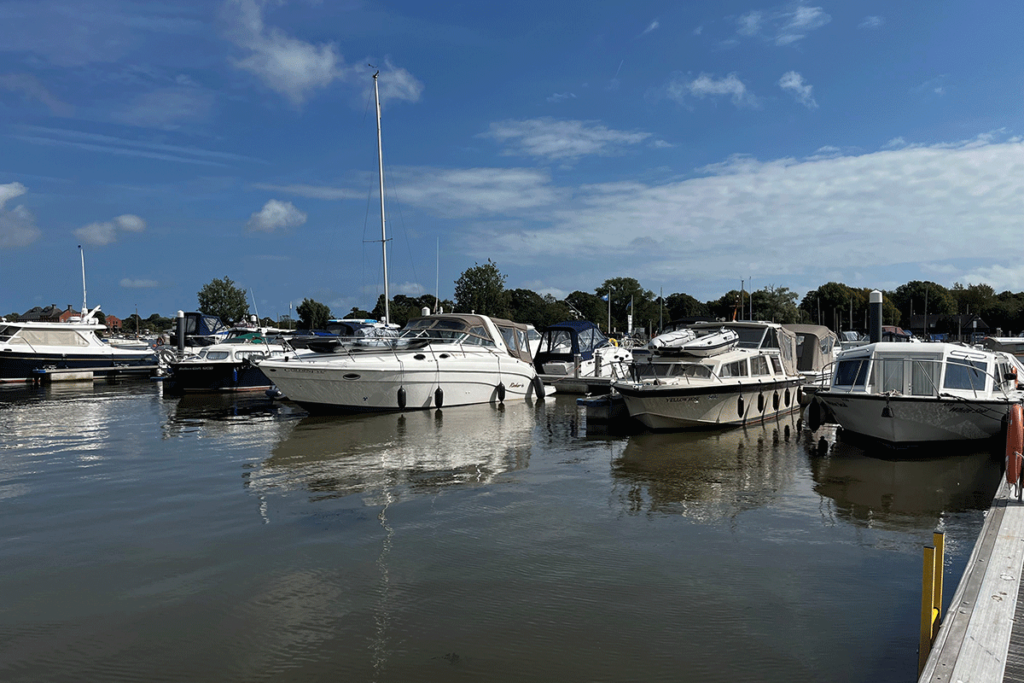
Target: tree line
(481, 289)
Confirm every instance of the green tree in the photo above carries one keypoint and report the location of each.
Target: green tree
(222, 299)
(913, 297)
(972, 298)
(357, 312)
(481, 289)
(588, 307)
(628, 296)
(313, 315)
(679, 306)
(776, 304)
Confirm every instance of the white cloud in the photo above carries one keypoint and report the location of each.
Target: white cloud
(129, 283)
(794, 83)
(295, 68)
(653, 26)
(681, 88)
(103, 233)
(782, 26)
(17, 225)
(823, 218)
(561, 97)
(130, 222)
(275, 215)
(750, 23)
(871, 22)
(476, 192)
(552, 139)
(30, 87)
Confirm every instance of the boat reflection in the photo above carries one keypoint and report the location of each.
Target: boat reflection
(251, 416)
(708, 476)
(869, 486)
(378, 454)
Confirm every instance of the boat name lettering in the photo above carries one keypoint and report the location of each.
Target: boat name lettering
(682, 399)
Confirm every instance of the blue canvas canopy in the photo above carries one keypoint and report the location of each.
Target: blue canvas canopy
(563, 341)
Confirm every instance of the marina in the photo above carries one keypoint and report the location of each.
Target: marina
(229, 537)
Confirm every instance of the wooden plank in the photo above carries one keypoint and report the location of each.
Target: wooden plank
(974, 639)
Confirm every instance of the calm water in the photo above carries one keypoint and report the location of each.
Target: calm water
(217, 538)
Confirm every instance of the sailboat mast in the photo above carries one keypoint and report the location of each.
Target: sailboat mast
(82, 252)
(383, 231)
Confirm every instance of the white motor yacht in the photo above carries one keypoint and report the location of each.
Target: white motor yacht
(903, 394)
(449, 359)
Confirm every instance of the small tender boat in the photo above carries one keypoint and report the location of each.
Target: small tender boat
(345, 332)
(751, 378)
(226, 366)
(905, 394)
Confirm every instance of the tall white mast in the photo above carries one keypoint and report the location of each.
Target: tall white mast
(84, 308)
(383, 232)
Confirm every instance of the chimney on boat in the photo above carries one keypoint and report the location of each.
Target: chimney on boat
(875, 324)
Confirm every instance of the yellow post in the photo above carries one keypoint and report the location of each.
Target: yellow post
(939, 539)
(927, 602)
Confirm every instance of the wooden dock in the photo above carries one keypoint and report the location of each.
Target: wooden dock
(981, 637)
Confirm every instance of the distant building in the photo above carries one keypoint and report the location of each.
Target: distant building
(114, 324)
(50, 314)
(955, 327)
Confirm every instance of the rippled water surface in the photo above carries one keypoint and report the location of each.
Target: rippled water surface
(150, 538)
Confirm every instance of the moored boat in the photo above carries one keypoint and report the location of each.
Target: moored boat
(577, 349)
(229, 365)
(71, 350)
(754, 378)
(443, 360)
(909, 394)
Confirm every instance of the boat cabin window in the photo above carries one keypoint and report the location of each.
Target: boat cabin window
(749, 337)
(852, 372)
(559, 341)
(924, 377)
(963, 373)
(50, 338)
(776, 365)
(7, 332)
(509, 335)
(889, 375)
(446, 330)
(523, 340)
(759, 366)
(213, 355)
(735, 369)
(691, 370)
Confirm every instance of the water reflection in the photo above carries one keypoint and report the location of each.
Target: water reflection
(385, 454)
(206, 414)
(708, 475)
(877, 486)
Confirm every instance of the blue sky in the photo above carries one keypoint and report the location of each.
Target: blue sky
(687, 145)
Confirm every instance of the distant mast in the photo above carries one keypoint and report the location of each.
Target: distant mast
(383, 232)
(84, 307)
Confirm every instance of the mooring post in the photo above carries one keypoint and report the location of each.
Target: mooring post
(931, 597)
(875, 311)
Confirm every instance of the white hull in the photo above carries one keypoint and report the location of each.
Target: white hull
(672, 406)
(371, 381)
(917, 420)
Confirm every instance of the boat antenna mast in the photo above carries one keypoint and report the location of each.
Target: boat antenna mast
(383, 231)
(84, 307)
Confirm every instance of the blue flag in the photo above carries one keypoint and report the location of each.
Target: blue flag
(604, 298)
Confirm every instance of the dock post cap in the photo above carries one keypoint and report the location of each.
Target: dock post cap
(181, 314)
(875, 297)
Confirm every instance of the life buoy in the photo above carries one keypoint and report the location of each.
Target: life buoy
(614, 342)
(1014, 444)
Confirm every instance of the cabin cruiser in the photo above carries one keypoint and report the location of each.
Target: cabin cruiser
(751, 379)
(71, 350)
(448, 359)
(225, 366)
(578, 349)
(816, 349)
(902, 394)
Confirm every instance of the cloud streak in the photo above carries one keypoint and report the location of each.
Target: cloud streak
(106, 232)
(793, 82)
(555, 140)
